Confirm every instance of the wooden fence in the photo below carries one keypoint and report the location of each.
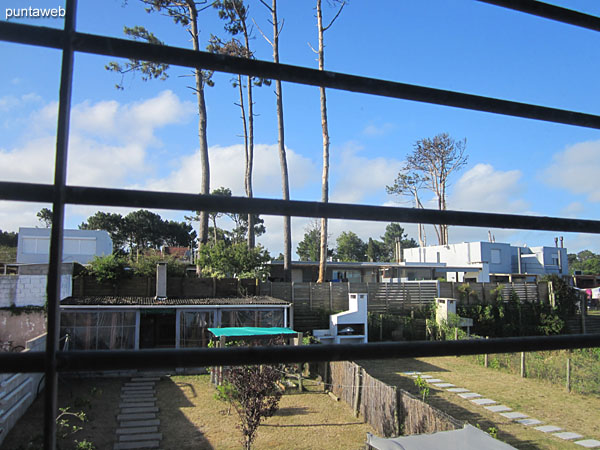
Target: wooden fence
(389, 410)
(314, 301)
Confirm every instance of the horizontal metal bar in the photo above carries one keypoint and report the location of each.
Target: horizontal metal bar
(551, 12)
(171, 358)
(195, 202)
(123, 48)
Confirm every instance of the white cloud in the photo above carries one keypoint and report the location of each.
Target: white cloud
(576, 169)
(573, 209)
(358, 177)
(9, 102)
(483, 188)
(227, 169)
(107, 147)
(378, 129)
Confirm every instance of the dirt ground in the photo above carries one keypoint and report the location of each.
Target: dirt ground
(543, 401)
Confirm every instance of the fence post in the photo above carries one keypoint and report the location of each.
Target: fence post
(330, 296)
(569, 372)
(293, 296)
(310, 296)
(485, 357)
(523, 372)
(380, 327)
(270, 289)
(583, 308)
(357, 377)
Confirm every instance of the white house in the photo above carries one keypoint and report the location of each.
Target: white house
(493, 261)
(80, 246)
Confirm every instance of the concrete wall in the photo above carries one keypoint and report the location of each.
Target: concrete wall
(21, 327)
(18, 391)
(78, 245)
(29, 290)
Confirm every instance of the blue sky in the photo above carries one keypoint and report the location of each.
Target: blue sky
(146, 135)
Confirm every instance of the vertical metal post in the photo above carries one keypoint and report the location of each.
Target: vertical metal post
(56, 237)
(523, 370)
(569, 372)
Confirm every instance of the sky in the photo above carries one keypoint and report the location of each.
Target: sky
(145, 136)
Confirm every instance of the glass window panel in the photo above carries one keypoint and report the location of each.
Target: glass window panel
(194, 328)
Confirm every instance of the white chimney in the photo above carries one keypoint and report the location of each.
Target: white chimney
(161, 280)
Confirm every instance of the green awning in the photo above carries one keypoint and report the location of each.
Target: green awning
(251, 331)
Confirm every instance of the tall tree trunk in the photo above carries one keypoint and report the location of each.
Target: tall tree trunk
(205, 164)
(250, 152)
(325, 128)
(285, 188)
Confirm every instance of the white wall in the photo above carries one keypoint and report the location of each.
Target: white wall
(30, 290)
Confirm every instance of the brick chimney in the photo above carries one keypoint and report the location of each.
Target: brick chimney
(161, 280)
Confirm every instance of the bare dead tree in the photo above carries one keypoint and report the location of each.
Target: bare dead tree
(325, 129)
(285, 187)
(434, 161)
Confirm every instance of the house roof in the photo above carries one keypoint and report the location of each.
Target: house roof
(170, 301)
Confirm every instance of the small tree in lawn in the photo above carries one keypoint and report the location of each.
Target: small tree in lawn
(254, 396)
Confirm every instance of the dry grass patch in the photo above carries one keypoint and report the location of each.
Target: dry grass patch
(191, 418)
(544, 401)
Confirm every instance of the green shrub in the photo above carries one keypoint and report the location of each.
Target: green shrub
(145, 266)
(110, 268)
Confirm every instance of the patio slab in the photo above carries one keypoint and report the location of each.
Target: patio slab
(469, 395)
(138, 416)
(589, 443)
(458, 390)
(136, 405)
(498, 408)
(514, 415)
(137, 430)
(567, 435)
(529, 422)
(147, 409)
(135, 445)
(139, 423)
(444, 385)
(484, 401)
(548, 428)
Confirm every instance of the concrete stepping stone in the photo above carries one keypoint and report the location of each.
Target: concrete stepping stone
(469, 395)
(423, 376)
(548, 428)
(458, 390)
(139, 423)
(567, 435)
(514, 415)
(137, 430)
(484, 401)
(529, 422)
(138, 383)
(147, 409)
(140, 437)
(135, 445)
(136, 416)
(498, 408)
(444, 385)
(145, 379)
(411, 373)
(137, 388)
(136, 405)
(589, 443)
(434, 380)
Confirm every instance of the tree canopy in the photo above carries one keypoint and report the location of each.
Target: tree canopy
(45, 216)
(141, 230)
(585, 261)
(350, 247)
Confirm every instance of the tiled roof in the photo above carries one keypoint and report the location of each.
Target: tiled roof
(170, 301)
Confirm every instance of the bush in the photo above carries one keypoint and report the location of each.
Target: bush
(145, 266)
(110, 268)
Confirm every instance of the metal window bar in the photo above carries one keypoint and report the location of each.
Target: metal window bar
(69, 41)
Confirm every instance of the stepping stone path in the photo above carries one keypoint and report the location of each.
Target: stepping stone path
(138, 421)
(507, 412)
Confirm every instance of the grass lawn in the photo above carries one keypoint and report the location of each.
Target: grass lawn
(192, 419)
(541, 400)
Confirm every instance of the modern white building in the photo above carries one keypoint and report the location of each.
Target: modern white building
(80, 246)
(493, 261)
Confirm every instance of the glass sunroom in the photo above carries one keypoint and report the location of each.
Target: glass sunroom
(128, 323)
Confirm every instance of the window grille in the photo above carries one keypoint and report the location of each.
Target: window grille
(59, 194)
